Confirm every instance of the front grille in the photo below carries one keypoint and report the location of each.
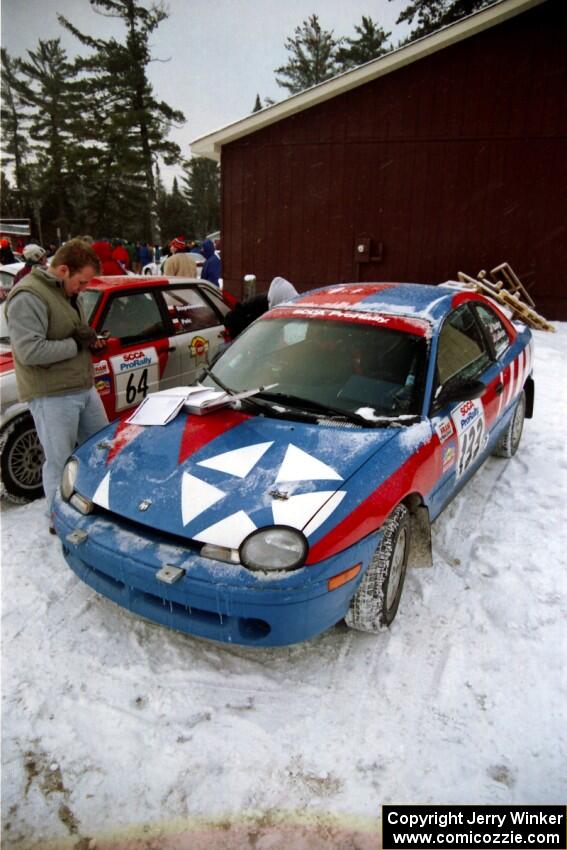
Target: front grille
(143, 530)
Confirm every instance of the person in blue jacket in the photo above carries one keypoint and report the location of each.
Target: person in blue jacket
(212, 266)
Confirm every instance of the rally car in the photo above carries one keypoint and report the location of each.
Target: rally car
(160, 333)
(269, 520)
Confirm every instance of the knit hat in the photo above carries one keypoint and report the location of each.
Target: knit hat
(34, 253)
(179, 243)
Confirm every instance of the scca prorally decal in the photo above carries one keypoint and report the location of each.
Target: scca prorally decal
(337, 313)
(471, 426)
(135, 373)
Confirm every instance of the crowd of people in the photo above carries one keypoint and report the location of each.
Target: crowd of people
(180, 257)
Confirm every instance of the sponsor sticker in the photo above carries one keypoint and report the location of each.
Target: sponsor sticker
(199, 346)
(101, 368)
(444, 429)
(449, 457)
(102, 384)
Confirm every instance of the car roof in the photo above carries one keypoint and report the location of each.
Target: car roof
(12, 268)
(125, 282)
(420, 303)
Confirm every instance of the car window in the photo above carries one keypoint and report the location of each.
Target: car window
(461, 351)
(217, 301)
(188, 310)
(344, 364)
(89, 299)
(494, 327)
(134, 317)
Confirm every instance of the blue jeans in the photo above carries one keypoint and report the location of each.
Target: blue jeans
(61, 422)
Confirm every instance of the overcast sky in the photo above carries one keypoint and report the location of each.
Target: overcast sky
(213, 57)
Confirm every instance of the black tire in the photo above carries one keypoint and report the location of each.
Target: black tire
(507, 445)
(21, 460)
(376, 601)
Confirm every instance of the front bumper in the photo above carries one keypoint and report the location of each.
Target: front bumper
(213, 600)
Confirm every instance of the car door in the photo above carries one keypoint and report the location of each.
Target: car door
(135, 359)
(463, 429)
(196, 330)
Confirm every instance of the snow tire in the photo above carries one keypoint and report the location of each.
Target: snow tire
(507, 445)
(21, 460)
(374, 606)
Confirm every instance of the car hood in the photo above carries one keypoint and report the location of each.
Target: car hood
(216, 478)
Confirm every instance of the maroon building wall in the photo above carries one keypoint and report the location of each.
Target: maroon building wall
(455, 162)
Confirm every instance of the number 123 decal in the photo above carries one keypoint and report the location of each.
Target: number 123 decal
(470, 425)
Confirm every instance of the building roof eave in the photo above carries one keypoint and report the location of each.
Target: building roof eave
(210, 145)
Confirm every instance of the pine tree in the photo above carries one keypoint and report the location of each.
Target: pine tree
(136, 123)
(312, 57)
(370, 44)
(257, 104)
(202, 190)
(45, 86)
(9, 199)
(15, 147)
(431, 15)
(173, 211)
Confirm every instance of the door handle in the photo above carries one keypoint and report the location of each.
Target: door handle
(498, 388)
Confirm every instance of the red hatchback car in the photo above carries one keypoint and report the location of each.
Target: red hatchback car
(161, 331)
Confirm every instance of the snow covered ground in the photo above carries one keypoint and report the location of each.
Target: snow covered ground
(120, 734)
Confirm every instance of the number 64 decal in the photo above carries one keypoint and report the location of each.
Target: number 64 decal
(137, 385)
(470, 425)
(136, 373)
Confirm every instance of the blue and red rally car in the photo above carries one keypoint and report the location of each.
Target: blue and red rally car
(271, 519)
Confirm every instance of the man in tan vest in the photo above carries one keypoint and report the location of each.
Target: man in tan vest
(52, 344)
(180, 263)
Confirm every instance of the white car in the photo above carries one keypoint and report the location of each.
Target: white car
(21, 455)
(162, 331)
(7, 274)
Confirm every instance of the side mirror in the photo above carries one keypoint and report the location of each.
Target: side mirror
(457, 391)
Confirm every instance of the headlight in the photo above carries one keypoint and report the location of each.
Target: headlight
(276, 548)
(69, 477)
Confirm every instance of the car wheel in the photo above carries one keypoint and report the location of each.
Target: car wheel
(21, 460)
(376, 601)
(508, 443)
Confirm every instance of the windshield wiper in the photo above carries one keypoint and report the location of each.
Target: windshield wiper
(218, 381)
(223, 386)
(310, 405)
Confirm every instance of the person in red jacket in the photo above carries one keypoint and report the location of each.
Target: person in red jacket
(108, 264)
(121, 255)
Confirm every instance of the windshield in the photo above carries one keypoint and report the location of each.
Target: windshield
(89, 299)
(344, 365)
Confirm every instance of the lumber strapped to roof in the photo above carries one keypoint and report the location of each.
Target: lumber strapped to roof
(506, 288)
